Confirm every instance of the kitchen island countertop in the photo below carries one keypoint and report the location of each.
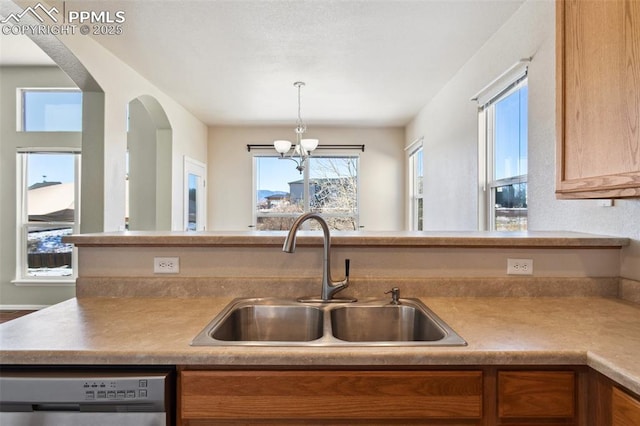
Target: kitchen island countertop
(475, 239)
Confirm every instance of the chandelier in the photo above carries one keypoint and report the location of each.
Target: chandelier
(303, 147)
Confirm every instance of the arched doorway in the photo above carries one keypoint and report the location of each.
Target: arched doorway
(149, 146)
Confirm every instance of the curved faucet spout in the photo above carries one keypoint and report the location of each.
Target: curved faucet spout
(329, 287)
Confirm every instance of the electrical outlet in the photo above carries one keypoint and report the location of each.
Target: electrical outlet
(520, 266)
(166, 265)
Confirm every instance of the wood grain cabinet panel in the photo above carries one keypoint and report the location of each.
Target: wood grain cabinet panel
(625, 410)
(598, 98)
(331, 395)
(536, 394)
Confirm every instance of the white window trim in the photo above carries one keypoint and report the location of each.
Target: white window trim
(195, 167)
(305, 175)
(505, 84)
(22, 279)
(492, 90)
(411, 150)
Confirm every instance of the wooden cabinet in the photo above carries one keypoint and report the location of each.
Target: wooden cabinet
(462, 396)
(598, 98)
(610, 404)
(334, 397)
(625, 409)
(480, 396)
(539, 395)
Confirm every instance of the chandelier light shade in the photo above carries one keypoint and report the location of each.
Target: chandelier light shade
(282, 146)
(309, 145)
(303, 147)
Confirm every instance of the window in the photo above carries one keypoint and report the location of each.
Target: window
(328, 185)
(503, 146)
(48, 198)
(416, 184)
(195, 195)
(50, 110)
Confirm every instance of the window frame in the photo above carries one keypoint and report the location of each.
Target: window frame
(197, 169)
(510, 82)
(306, 207)
(415, 154)
(23, 224)
(22, 110)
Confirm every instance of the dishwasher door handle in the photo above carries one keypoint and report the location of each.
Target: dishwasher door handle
(55, 407)
(67, 418)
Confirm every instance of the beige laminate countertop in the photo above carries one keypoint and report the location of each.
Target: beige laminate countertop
(476, 239)
(599, 332)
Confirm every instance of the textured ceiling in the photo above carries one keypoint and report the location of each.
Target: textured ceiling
(374, 62)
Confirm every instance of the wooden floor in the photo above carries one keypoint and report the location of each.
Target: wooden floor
(9, 315)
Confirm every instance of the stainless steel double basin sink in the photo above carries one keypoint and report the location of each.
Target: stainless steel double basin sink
(286, 322)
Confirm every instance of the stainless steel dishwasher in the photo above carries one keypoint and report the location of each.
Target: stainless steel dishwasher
(84, 398)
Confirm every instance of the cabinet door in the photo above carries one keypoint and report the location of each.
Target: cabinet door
(625, 410)
(400, 396)
(536, 394)
(598, 98)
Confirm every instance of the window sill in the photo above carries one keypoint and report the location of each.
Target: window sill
(61, 282)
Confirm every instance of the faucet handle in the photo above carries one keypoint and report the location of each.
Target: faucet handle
(395, 295)
(347, 264)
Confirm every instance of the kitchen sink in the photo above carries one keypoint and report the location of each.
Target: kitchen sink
(388, 323)
(269, 323)
(286, 322)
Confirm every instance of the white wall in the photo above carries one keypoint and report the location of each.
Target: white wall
(449, 122)
(121, 84)
(230, 173)
(104, 196)
(449, 126)
(141, 140)
(12, 78)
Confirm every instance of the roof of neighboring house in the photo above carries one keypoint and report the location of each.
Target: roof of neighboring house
(43, 184)
(51, 202)
(279, 196)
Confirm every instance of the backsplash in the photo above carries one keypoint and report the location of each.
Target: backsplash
(185, 287)
(421, 264)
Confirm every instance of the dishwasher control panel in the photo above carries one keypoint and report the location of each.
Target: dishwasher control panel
(116, 389)
(99, 389)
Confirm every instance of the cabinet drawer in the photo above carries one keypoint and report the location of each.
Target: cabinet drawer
(330, 394)
(536, 394)
(625, 409)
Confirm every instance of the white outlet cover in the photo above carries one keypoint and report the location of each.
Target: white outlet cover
(166, 265)
(520, 266)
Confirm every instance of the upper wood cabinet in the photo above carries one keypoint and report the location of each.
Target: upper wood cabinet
(598, 98)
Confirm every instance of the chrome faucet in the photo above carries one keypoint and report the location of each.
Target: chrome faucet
(329, 287)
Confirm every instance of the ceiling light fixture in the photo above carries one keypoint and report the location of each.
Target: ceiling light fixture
(303, 147)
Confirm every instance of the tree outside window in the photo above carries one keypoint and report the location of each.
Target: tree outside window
(329, 186)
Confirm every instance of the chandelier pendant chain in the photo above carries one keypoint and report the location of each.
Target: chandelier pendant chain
(300, 128)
